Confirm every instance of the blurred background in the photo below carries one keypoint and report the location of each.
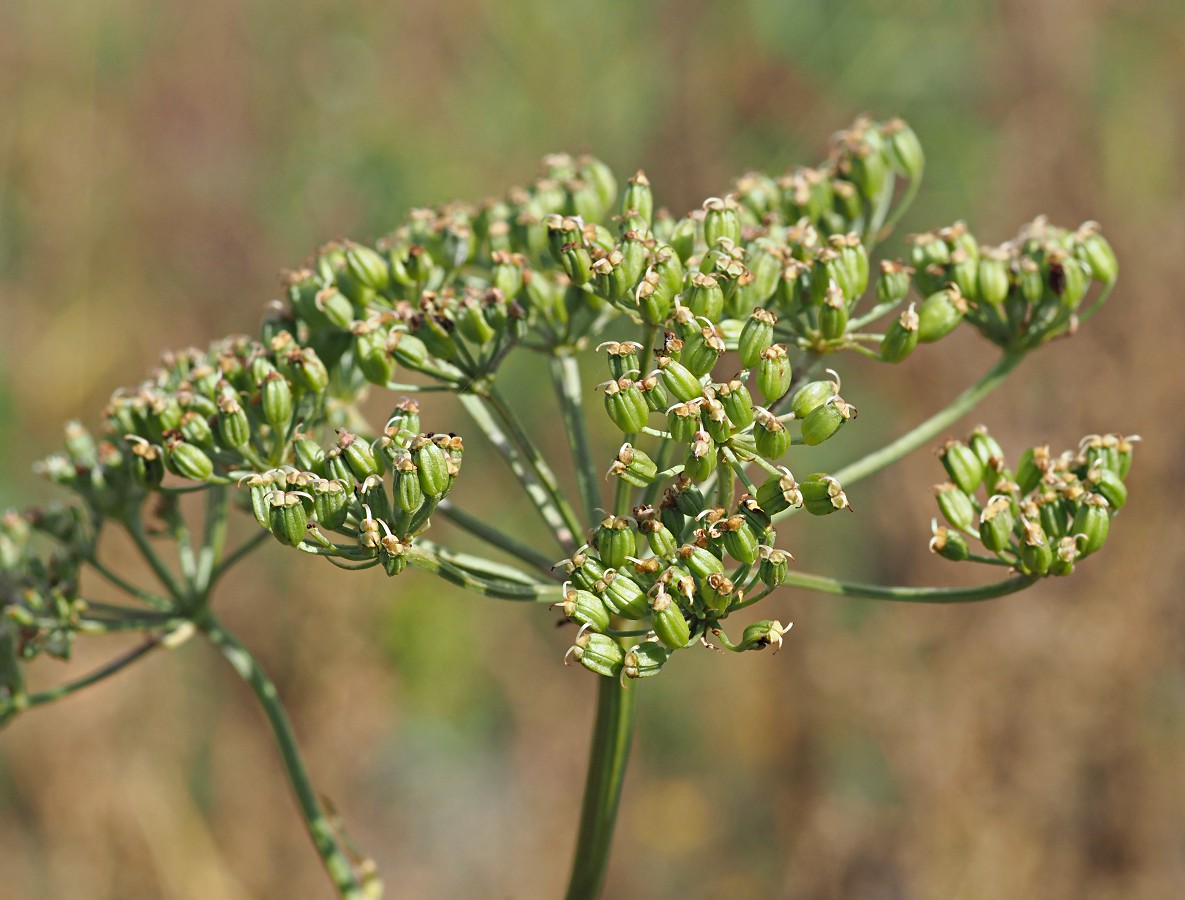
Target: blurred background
(160, 163)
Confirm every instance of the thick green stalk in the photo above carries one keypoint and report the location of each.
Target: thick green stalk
(613, 733)
(333, 856)
(565, 374)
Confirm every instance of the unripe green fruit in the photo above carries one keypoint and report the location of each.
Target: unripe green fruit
(598, 653)
(940, 314)
(901, 337)
(773, 373)
(188, 461)
(824, 421)
(585, 608)
(668, 621)
(645, 660)
(996, 524)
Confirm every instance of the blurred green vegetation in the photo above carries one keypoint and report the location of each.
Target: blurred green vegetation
(160, 163)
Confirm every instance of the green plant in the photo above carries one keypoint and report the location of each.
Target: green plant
(759, 289)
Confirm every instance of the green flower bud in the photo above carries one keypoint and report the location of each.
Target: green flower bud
(336, 467)
(625, 405)
(287, 520)
(188, 461)
(901, 337)
(331, 503)
(585, 608)
(773, 372)
(962, 464)
(668, 621)
(598, 653)
(1091, 523)
(822, 494)
(761, 634)
(679, 382)
(824, 421)
(645, 660)
(939, 314)
(996, 524)
(771, 436)
(358, 456)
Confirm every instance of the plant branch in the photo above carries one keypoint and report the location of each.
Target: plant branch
(565, 375)
(333, 856)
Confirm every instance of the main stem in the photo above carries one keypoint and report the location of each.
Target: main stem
(613, 733)
(333, 857)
